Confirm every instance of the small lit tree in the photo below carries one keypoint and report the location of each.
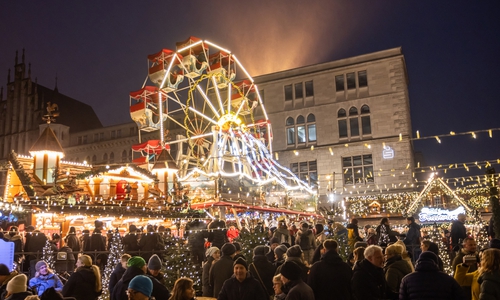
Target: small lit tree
(115, 253)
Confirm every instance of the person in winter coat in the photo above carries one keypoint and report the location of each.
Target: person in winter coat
(14, 237)
(35, 241)
(353, 234)
(85, 282)
(118, 272)
(371, 237)
(307, 242)
(154, 269)
(232, 233)
(222, 269)
(395, 268)
(131, 240)
(196, 233)
(149, 243)
(183, 289)
(71, 240)
(85, 241)
(262, 270)
(279, 257)
(213, 255)
(241, 285)
(331, 275)
(469, 248)
(385, 234)
(273, 243)
(489, 275)
(297, 288)
(277, 287)
(319, 235)
(217, 234)
(17, 288)
(404, 254)
(45, 278)
(368, 280)
(412, 239)
(296, 255)
(427, 282)
(433, 247)
(5, 276)
(282, 233)
(458, 232)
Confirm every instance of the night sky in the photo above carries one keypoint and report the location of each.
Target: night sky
(98, 52)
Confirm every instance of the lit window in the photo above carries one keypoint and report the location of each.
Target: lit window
(301, 132)
(358, 169)
(307, 171)
(290, 131)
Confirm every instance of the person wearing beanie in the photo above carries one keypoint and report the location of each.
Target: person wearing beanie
(85, 282)
(307, 242)
(242, 285)
(17, 288)
(273, 243)
(150, 242)
(131, 240)
(295, 254)
(297, 288)
(140, 288)
(154, 268)
(213, 255)
(262, 270)
(279, 255)
(5, 276)
(118, 271)
(427, 282)
(136, 265)
(238, 253)
(45, 278)
(222, 269)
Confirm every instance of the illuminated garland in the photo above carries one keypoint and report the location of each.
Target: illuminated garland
(24, 177)
(103, 169)
(115, 253)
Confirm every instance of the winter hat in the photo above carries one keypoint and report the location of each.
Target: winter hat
(280, 250)
(495, 243)
(51, 294)
(290, 270)
(154, 263)
(40, 264)
(260, 250)
(241, 261)
(428, 256)
(228, 249)
(237, 246)
(210, 251)
(17, 284)
(136, 261)
(274, 240)
(141, 284)
(4, 270)
(294, 251)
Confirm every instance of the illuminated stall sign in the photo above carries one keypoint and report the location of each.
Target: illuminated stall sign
(428, 214)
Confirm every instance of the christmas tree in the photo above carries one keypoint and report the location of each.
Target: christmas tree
(436, 236)
(115, 253)
(249, 241)
(48, 255)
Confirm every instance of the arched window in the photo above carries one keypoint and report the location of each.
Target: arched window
(289, 121)
(341, 113)
(301, 130)
(124, 156)
(112, 158)
(300, 120)
(290, 131)
(366, 126)
(353, 111)
(342, 121)
(353, 121)
(130, 155)
(311, 128)
(105, 158)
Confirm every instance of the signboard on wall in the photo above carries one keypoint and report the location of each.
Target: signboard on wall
(7, 257)
(429, 214)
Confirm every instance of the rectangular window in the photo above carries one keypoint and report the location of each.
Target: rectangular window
(288, 92)
(101, 136)
(339, 83)
(354, 124)
(96, 137)
(365, 124)
(84, 139)
(119, 133)
(290, 136)
(358, 169)
(351, 81)
(311, 133)
(309, 88)
(113, 134)
(298, 91)
(342, 128)
(301, 134)
(362, 79)
(79, 140)
(307, 171)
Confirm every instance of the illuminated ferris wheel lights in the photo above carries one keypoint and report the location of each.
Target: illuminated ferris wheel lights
(208, 101)
(243, 68)
(218, 47)
(189, 46)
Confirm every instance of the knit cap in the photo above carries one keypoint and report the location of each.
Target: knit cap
(40, 264)
(17, 284)
(294, 251)
(290, 270)
(237, 246)
(228, 249)
(280, 250)
(136, 261)
(154, 262)
(259, 250)
(241, 261)
(428, 256)
(210, 251)
(141, 284)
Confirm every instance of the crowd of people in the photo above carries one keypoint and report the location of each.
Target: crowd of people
(299, 261)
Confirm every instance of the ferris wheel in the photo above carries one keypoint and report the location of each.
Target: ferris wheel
(221, 120)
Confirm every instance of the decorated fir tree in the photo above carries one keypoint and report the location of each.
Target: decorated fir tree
(436, 236)
(49, 255)
(115, 253)
(249, 241)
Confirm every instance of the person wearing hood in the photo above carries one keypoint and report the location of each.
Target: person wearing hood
(213, 255)
(427, 282)
(353, 234)
(222, 269)
(331, 275)
(297, 288)
(279, 255)
(282, 233)
(85, 282)
(45, 278)
(368, 281)
(395, 268)
(17, 288)
(262, 269)
(296, 255)
(306, 240)
(118, 272)
(242, 285)
(489, 275)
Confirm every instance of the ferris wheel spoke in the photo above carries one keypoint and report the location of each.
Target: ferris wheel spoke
(217, 94)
